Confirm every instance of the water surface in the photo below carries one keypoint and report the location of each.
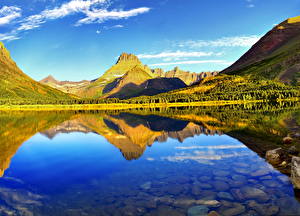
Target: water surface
(154, 162)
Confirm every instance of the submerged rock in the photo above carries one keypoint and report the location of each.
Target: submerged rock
(263, 209)
(225, 195)
(146, 185)
(236, 210)
(213, 213)
(254, 193)
(295, 172)
(276, 156)
(199, 210)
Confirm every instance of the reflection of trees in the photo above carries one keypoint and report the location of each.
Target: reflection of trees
(258, 126)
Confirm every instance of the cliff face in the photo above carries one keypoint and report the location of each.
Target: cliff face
(189, 78)
(274, 56)
(14, 84)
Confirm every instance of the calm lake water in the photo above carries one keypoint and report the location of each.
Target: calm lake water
(155, 162)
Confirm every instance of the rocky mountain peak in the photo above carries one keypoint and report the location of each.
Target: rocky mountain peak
(49, 78)
(4, 53)
(128, 58)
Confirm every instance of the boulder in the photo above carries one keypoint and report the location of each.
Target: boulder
(293, 150)
(295, 172)
(276, 156)
(287, 140)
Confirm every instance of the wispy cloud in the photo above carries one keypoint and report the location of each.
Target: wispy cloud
(237, 41)
(95, 11)
(8, 37)
(66, 9)
(250, 4)
(8, 14)
(222, 62)
(102, 15)
(177, 54)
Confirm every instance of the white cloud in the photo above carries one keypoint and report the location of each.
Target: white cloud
(237, 41)
(8, 36)
(98, 32)
(177, 54)
(222, 62)
(101, 15)
(8, 14)
(95, 11)
(69, 8)
(250, 6)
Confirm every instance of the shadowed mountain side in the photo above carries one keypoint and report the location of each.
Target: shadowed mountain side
(153, 122)
(130, 133)
(149, 88)
(274, 56)
(17, 127)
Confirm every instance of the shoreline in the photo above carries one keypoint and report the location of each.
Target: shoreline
(121, 106)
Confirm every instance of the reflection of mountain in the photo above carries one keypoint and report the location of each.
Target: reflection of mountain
(129, 132)
(132, 132)
(16, 128)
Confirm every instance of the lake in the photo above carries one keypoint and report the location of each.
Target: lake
(173, 161)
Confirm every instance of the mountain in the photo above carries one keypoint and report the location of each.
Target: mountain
(65, 86)
(129, 78)
(275, 56)
(15, 85)
(189, 78)
(124, 69)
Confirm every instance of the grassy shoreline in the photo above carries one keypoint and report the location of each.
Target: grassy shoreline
(120, 106)
(123, 106)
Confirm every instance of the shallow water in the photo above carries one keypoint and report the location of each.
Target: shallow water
(134, 164)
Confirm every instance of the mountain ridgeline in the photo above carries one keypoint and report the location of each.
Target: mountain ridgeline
(15, 85)
(269, 71)
(129, 78)
(275, 56)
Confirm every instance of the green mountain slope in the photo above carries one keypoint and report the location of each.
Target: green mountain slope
(275, 56)
(15, 85)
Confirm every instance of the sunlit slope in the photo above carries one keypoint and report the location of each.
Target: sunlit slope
(125, 63)
(15, 85)
(275, 56)
(227, 88)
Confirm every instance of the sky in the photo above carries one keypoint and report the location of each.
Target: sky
(81, 39)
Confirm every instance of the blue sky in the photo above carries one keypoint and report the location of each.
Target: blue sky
(80, 39)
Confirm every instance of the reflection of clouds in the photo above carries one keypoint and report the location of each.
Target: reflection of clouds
(203, 157)
(211, 147)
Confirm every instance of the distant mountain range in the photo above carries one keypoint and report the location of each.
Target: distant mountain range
(129, 78)
(275, 56)
(273, 60)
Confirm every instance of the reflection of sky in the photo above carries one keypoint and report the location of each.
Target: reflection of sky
(206, 149)
(75, 158)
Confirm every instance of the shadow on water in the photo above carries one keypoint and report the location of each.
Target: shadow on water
(194, 176)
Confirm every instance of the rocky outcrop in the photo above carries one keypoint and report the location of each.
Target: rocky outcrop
(187, 77)
(295, 172)
(276, 156)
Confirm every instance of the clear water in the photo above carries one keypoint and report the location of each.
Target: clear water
(99, 164)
